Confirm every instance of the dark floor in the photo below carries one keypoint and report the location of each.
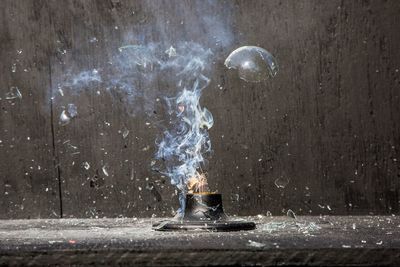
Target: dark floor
(333, 241)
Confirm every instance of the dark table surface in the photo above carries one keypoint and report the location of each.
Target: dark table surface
(328, 240)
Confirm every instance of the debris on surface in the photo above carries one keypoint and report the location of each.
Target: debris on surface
(255, 244)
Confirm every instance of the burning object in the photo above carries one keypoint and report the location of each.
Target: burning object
(203, 211)
(198, 184)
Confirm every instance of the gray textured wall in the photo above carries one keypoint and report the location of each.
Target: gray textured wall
(329, 122)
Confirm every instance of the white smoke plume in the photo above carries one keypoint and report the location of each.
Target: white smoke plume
(171, 71)
(176, 76)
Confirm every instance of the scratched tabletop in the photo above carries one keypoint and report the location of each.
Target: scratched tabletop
(304, 240)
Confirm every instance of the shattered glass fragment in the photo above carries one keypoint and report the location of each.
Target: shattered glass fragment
(125, 133)
(68, 114)
(255, 244)
(291, 214)
(13, 67)
(64, 118)
(86, 165)
(105, 171)
(282, 182)
(273, 226)
(304, 227)
(60, 50)
(72, 110)
(181, 108)
(13, 93)
(142, 56)
(307, 228)
(171, 52)
(254, 64)
(69, 145)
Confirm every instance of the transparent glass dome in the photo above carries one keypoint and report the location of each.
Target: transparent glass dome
(254, 64)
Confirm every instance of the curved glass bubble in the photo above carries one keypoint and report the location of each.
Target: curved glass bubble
(254, 64)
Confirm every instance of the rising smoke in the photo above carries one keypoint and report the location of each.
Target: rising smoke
(171, 73)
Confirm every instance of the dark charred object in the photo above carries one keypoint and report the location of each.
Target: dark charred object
(204, 211)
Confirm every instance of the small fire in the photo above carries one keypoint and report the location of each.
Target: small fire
(198, 183)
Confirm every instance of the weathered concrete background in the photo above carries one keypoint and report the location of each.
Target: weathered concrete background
(329, 122)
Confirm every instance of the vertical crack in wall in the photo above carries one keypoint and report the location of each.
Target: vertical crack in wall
(55, 156)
